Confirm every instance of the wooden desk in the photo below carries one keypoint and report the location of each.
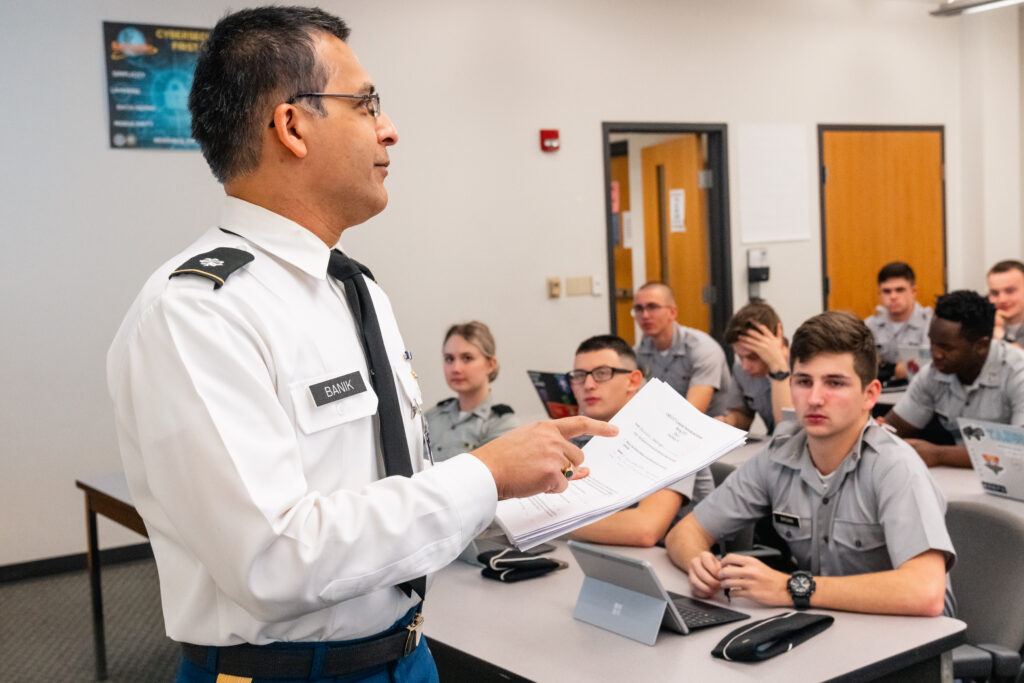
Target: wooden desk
(528, 629)
(107, 495)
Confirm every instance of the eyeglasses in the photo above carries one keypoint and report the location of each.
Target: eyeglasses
(640, 309)
(370, 100)
(602, 373)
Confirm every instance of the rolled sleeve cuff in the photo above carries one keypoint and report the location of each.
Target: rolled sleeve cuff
(470, 488)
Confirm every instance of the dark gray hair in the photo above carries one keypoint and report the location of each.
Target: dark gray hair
(252, 61)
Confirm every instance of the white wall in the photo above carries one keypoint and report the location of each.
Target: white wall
(479, 216)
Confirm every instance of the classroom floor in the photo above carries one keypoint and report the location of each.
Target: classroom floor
(46, 628)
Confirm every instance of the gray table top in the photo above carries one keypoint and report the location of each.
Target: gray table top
(528, 628)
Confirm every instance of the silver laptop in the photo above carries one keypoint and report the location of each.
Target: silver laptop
(914, 358)
(623, 595)
(997, 455)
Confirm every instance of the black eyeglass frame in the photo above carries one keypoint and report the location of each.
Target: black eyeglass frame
(580, 376)
(646, 308)
(372, 99)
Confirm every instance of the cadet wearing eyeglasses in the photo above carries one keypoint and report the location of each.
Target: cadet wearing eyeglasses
(604, 377)
(690, 361)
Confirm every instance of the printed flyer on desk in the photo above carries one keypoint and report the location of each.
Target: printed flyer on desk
(149, 75)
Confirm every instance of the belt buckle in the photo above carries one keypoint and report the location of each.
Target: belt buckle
(415, 629)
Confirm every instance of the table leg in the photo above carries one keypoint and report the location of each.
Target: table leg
(99, 637)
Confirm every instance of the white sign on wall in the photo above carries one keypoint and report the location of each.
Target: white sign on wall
(677, 210)
(775, 182)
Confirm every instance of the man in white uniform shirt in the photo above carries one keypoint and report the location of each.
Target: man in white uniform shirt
(258, 399)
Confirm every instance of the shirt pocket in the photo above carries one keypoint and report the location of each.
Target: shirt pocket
(862, 546)
(343, 404)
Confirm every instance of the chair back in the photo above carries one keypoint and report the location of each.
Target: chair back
(720, 470)
(988, 577)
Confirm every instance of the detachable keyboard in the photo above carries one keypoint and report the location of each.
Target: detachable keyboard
(698, 614)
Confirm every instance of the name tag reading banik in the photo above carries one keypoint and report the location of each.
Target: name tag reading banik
(338, 388)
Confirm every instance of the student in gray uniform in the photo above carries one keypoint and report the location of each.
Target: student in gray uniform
(760, 371)
(604, 377)
(899, 320)
(971, 375)
(688, 360)
(1006, 292)
(470, 419)
(862, 517)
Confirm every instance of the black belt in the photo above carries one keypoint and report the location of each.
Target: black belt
(296, 662)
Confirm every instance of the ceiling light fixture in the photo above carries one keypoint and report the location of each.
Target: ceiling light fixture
(952, 8)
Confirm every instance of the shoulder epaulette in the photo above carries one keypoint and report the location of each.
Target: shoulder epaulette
(500, 409)
(214, 265)
(447, 401)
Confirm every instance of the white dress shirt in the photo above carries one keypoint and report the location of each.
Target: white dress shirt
(270, 517)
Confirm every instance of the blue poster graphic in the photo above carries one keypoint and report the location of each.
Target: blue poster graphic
(149, 75)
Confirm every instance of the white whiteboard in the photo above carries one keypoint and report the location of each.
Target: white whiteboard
(775, 173)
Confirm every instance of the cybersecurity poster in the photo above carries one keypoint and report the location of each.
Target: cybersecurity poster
(149, 75)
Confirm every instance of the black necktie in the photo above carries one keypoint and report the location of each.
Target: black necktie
(392, 428)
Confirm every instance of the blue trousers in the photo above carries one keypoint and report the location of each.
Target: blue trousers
(416, 667)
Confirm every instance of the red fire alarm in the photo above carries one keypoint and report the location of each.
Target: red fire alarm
(549, 141)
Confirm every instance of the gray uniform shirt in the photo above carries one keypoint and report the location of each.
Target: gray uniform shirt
(694, 358)
(997, 394)
(750, 395)
(890, 336)
(880, 509)
(451, 434)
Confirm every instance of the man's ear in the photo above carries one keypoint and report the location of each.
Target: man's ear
(288, 129)
(981, 346)
(636, 380)
(871, 393)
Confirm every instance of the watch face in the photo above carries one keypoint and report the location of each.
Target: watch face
(800, 585)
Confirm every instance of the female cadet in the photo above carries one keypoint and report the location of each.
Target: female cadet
(471, 418)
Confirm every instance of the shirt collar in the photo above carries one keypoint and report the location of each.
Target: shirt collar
(647, 343)
(792, 448)
(484, 409)
(916, 319)
(276, 235)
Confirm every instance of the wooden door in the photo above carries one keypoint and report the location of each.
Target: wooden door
(623, 255)
(677, 252)
(882, 199)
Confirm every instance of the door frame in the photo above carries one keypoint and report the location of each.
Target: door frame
(719, 242)
(833, 127)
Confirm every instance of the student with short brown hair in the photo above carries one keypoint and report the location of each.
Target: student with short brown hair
(863, 519)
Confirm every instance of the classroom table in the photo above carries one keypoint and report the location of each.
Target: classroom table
(527, 628)
(526, 631)
(106, 494)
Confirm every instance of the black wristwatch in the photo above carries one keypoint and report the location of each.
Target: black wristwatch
(779, 375)
(801, 586)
